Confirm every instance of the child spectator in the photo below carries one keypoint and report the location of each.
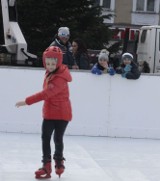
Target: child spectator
(102, 65)
(128, 68)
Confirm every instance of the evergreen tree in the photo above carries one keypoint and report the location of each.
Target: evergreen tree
(40, 20)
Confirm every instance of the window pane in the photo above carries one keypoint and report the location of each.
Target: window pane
(140, 5)
(143, 36)
(150, 5)
(107, 4)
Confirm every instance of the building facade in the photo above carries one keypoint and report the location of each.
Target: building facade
(131, 14)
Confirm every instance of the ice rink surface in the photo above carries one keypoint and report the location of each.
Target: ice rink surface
(87, 158)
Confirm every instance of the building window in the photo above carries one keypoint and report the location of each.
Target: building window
(145, 5)
(150, 5)
(107, 4)
(140, 5)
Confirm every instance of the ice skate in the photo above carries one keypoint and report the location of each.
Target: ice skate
(44, 172)
(59, 166)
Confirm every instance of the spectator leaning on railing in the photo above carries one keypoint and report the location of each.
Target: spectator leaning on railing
(102, 65)
(128, 68)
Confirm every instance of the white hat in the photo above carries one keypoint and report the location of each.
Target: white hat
(104, 51)
(64, 32)
(127, 55)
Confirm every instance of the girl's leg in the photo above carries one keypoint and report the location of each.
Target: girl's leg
(60, 127)
(47, 130)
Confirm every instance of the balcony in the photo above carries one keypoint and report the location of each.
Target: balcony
(145, 18)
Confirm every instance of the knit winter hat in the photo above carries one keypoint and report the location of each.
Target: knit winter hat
(103, 56)
(127, 56)
(63, 32)
(104, 51)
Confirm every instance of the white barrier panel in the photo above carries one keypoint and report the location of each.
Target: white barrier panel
(102, 105)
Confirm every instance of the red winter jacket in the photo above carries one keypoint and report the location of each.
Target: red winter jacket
(55, 95)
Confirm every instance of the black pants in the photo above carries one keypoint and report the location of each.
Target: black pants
(48, 126)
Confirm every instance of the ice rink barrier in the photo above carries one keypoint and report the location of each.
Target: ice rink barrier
(102, 105)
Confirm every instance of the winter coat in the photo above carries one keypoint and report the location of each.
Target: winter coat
(82, 60)
(55, 95)
(133, 73)
(67, 54)
(98, 69)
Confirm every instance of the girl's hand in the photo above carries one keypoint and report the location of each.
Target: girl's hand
(20, 103)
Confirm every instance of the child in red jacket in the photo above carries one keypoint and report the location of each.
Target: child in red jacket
(57, 110)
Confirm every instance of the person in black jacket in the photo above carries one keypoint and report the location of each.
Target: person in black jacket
(128, 68)
(62, 41)
(80, 54)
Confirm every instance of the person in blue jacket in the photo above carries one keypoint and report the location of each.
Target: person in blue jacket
(128, 68)
(102, 65)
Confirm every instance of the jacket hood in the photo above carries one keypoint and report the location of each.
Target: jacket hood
(64, 73)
